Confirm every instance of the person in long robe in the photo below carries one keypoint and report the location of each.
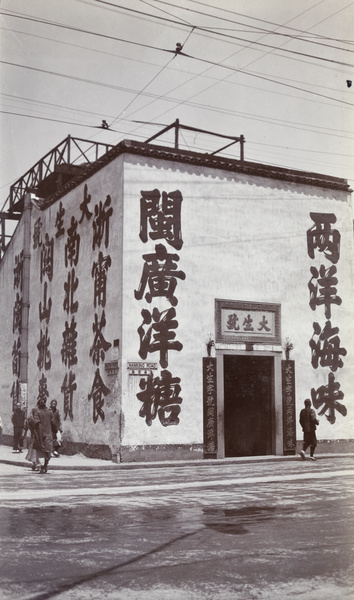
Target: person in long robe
(56, 427)
(30, 425)
(44, 442)
(18, 421)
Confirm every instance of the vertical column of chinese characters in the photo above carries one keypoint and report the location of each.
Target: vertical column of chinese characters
(44, 361)
(160, 219)
(17, 328)
(325, 342)
(210, 432)
(70, 306)
(289, 409)
(100, 225)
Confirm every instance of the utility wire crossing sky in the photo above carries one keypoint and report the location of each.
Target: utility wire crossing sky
(278, 73)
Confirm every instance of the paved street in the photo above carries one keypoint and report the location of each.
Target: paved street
(274, 530)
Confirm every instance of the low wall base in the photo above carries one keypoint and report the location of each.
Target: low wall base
(90, 450)
(330, 446)
(166, 452)
(161, 452)
(101, 451)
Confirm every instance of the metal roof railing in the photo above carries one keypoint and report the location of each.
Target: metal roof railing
(71, 154)
(68, 152)
(177, 126)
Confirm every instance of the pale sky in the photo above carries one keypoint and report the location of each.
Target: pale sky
(274, 71)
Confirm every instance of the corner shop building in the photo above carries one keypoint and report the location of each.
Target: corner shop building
(181, 305)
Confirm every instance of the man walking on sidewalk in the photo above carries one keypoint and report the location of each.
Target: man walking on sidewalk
(308, 422)
(18, 422)
(56, 426)
(43, 421)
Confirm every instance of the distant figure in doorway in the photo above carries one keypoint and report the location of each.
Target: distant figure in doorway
(56, 426)
(18, 422)
(30, 425)
(43, 419)
(308, 421)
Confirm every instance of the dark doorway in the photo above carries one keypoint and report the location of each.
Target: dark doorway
(247, 405)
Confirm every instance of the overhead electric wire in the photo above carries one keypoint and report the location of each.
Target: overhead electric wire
(46, 22)
(214, 64)
(148, 83)
(141, 91)
(160, 97)
(258, 29)
(52, 104)
(75, 78)
(233, 69)
(209, 30)
(210, 62)
(249, 159)
(164, 11)
(251, 74)
(215, 109)
(112, 86)
(277, 122)
(242, 71)
(268, 22)
(196, 147)
(144, 62)
(274, 81)
(129, 58)
(79, 30)
(104, 84)
(7, 112)
(299, 149)
(224, 79)
(246, 65)
(95, 33)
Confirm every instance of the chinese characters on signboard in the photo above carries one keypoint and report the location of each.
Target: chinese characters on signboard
(17, 329)
(209, 407)
(325, 344)
(288, 394)
(71, 259)
(252, 322)
(160, 219)
(242, 321)
(102, 215)
(45, 245)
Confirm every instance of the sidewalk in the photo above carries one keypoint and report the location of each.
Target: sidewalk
(83, 463)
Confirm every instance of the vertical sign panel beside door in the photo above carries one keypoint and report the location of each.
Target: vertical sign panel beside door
(288, 387)
(209, 407)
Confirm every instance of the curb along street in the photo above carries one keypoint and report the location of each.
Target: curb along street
(83, 463)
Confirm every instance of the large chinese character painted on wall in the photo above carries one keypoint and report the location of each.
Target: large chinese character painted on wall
(160, 219)
(323, 241)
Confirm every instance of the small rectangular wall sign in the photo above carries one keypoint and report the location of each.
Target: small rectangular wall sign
(241, 321)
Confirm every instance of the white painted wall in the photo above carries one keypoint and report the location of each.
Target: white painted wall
(244, 239)
(7, 337)
(81, 428)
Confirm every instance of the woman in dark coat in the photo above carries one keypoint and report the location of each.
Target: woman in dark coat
(43, 424)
